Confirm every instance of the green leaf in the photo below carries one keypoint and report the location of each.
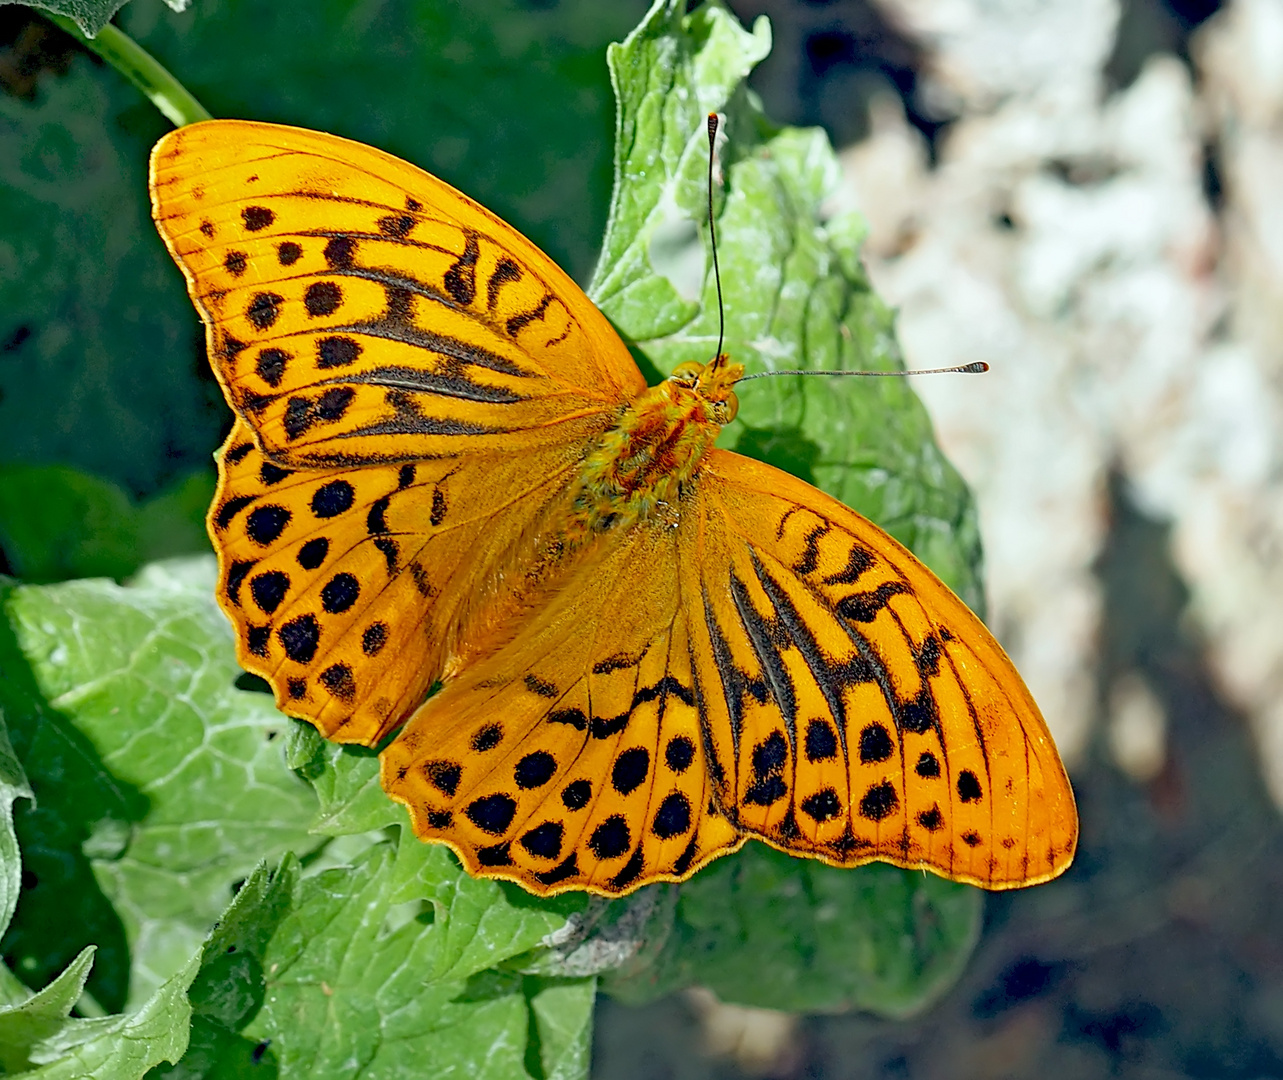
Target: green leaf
(346, 780)
(158, 782)
(119, 1047)
(795, 293)
(40, 1016)
(57, 522)
(763, 928)
(92, 15)
(13, 786)
(385, 968)
(795, 297)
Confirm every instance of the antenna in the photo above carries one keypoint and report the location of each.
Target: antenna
(975, 368)
(712, 233)
(962, 369)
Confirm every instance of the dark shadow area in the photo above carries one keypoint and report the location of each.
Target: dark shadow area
(78, 805)
(31, 47)
(831, 59)
(1149, 27)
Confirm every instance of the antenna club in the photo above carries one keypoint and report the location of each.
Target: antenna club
(712, 126)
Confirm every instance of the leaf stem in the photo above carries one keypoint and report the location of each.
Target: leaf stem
(141, 68)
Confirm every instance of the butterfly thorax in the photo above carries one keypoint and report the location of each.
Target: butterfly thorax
(651, 455)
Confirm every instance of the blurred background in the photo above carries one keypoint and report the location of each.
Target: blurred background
(1087, 194)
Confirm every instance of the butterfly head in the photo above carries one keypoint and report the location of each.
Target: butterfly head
(713, 383)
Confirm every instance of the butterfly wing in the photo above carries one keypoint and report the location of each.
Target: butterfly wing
(856, 708)
(774, 665)
(575, 757)
(349, 589)
(415, 382)
(359, 310)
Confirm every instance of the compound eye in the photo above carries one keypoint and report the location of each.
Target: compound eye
(725, 411)
(687, 373)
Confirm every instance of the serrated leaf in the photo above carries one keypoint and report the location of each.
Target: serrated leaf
(768, 930)
(795, 294)
(346, 780)
(41, 1015)
(385, 968)
(795, 297)
(120, 1047)
(562, 1011)
(159, 782)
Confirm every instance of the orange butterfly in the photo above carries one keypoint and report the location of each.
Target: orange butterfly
(446, 467)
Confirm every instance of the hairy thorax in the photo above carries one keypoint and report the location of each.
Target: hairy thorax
(644, 463)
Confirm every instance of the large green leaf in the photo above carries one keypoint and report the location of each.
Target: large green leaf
(385, 968)
(795, 293)
(158, 782)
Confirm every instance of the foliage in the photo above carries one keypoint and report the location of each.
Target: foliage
(206, 883)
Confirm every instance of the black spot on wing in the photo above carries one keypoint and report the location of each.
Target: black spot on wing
(969, 789)
(336, 351)
(257, 218)
(811, 553)
(487, 738)
(630, 770)
(858, 561)
(879, 801)
(875, 744)
(300, 637)
(322, 298)
(505, 271)
(340, 251)
(268, 590)
(492, 813)
(822, 806)
(264, 309)
(232, 507)
(534, 770)
(679, 753)
(865, 607)
(821, 743)
(312, 554)
(460, 281)
(673, 818)
(270, 366)
(443, 775)
(373, 638)
(611, 838)
(544, 841)
(577, 794)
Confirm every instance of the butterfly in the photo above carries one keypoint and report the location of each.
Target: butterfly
(446, 468)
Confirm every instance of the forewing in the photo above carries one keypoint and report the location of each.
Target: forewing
(574, 757)
(854, 707)
(359, 310)
(348, 588)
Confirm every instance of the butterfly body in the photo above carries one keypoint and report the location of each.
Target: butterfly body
(446, 467)
(651, 455)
